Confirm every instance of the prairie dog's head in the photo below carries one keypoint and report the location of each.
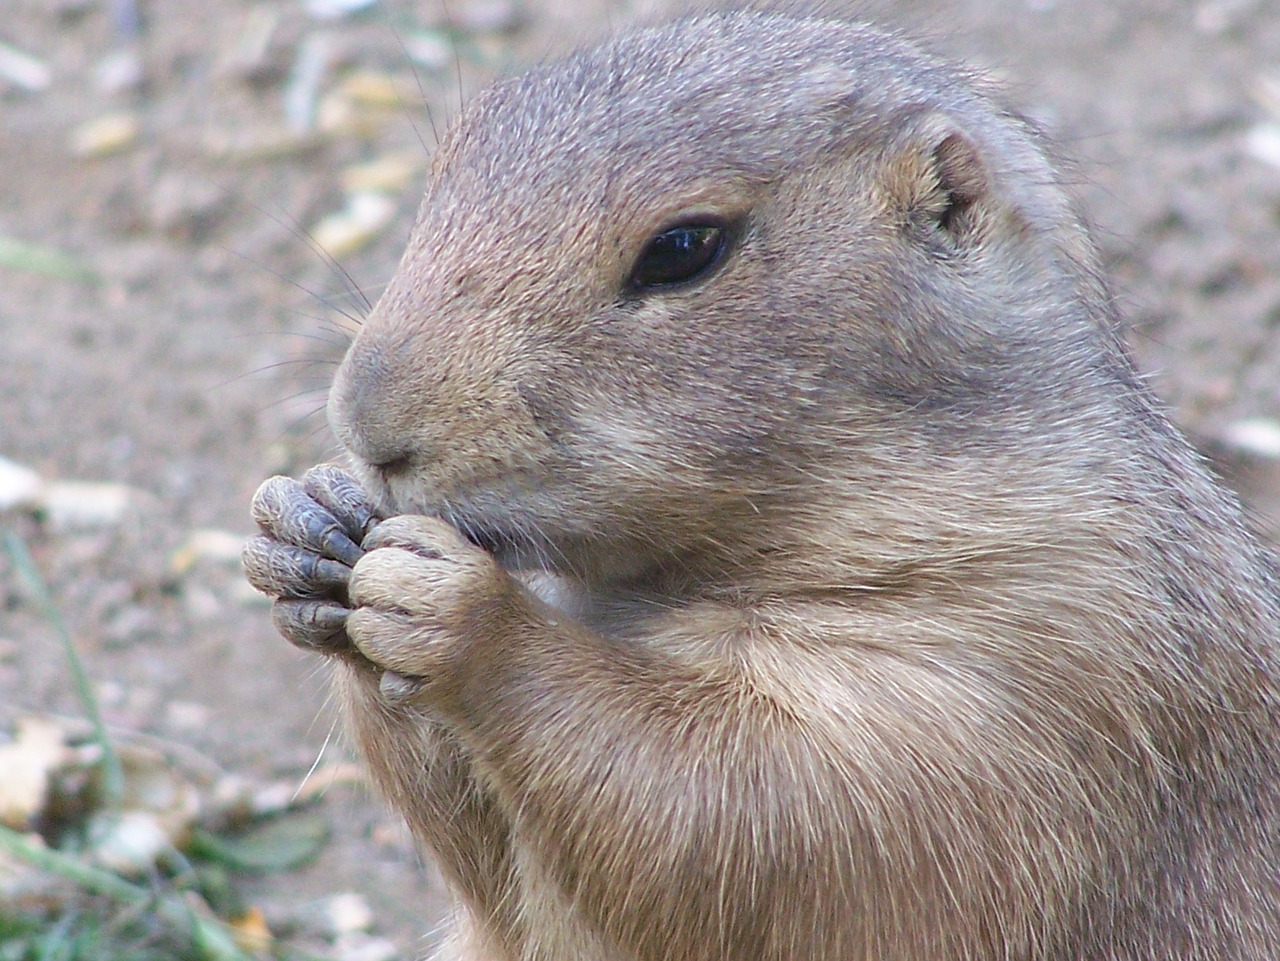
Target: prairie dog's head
(651, 285)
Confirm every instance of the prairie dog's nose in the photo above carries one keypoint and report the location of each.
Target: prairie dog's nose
(363, 408)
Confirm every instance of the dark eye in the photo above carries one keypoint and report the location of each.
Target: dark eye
(679, 254)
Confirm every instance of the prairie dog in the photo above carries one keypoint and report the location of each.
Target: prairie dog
(760, 546)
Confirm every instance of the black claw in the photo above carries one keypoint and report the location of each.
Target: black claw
(284, 570)
(286, 512)
(312, 625)
(341, 494)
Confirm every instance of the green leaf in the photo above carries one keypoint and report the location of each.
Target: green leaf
(279, 844)
(39, 259)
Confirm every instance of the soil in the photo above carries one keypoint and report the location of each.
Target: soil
(197, 366)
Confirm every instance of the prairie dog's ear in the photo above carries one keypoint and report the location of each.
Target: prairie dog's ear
(936, 177)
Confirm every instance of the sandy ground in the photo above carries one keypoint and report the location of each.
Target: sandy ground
(197, 367)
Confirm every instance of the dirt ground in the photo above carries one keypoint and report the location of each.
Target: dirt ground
(197, 366)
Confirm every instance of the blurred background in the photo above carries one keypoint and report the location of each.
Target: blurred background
(199, 199)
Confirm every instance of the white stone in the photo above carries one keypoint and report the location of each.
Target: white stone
(20, 486)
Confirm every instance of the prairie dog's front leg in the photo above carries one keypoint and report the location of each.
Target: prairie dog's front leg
(311, 536)
(719, 788)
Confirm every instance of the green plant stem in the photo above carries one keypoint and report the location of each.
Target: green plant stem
(112, 772)
(211, 937)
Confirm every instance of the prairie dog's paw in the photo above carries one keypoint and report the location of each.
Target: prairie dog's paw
(310, 541)
(420, 594)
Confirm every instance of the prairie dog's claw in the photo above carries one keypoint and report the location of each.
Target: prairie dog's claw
(287, 512)
(340, 494)
(283, 570)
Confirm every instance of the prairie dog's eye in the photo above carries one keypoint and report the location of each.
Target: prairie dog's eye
(679, 254)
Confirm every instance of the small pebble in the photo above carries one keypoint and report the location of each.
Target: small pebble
(28, 762)
(346, 913)
(85, 505)
(109, 134)
(23, 70)
(254, 145)
(335, 9)
(121, 71)
(390, 173)
(1257, 436)
(188, 715)
(207, 544)
(21, 488)
(359, 105)
(365, 216)
(364, 947)
(127, 842)
(369, 88)
(1263, 143)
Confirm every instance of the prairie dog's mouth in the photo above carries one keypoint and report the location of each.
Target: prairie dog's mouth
(486, 519)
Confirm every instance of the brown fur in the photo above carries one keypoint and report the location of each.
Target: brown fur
(889, 617)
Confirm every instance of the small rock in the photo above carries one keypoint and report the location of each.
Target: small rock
(188, 715)
(207, 544)
(1255, 436)
(85, 505)
(23, 70)
(359, 105)
(273, 798)
(109, 134)
(121, 71)
(364, 947)
(1263, 143)
(253, 145)
(28, 762)
(110, 694)
(367, 213)
(389, 173)
(21, 488)
(332, 917)
(347, 913)
(335, 9)
(127, 842)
